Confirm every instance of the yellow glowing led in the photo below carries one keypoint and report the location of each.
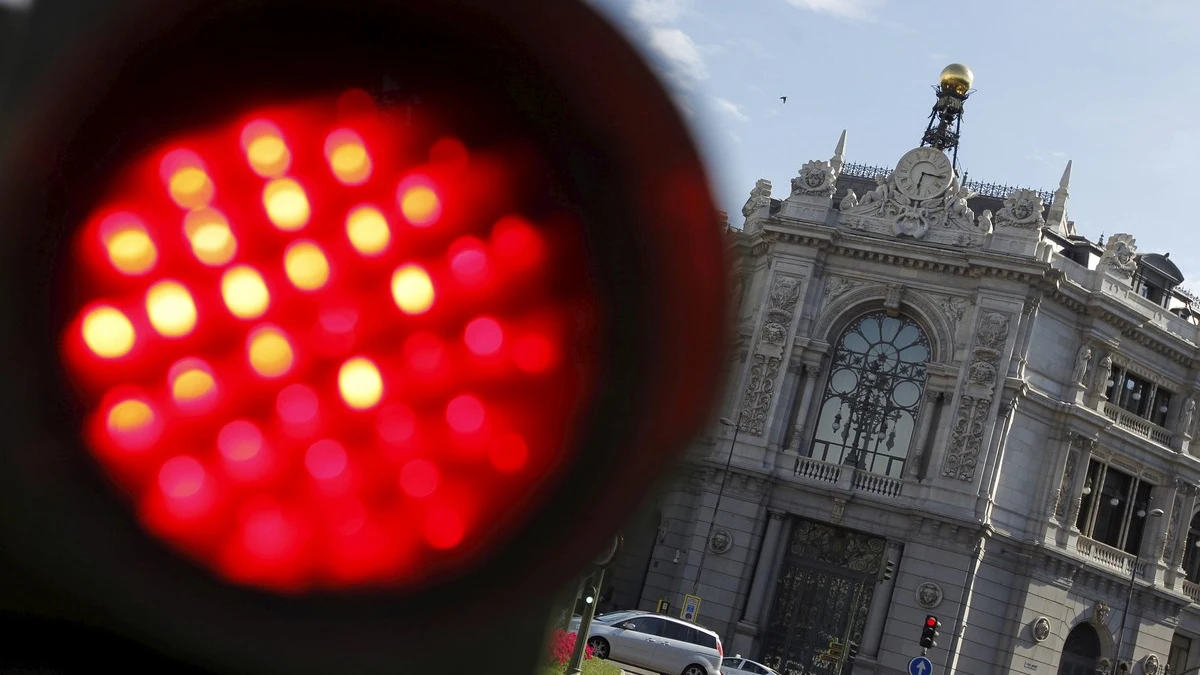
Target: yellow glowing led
(347, 156)
(108, 332)
(420, 205)
(270, 354)
(129, 415)
(131, 250)
(306, 266)
(268, 155)
(170, 309)
(360, 383)
(412, 289)
(368, 230)
(211, 239)
(244, 292)
(192, 384)
(286, 204)
(190, 187)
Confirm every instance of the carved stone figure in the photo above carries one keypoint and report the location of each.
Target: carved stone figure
(1104, 372)
(929, 595)
(849, 200)
(816, 178)
(1100, 612)
(1150, 665)
(1082, 360)
(760, 196)
(1120, 256)
(774, 333)
(1186, 414)
(985, 221)
(993, 331)
(1022, 209)
(721, 542)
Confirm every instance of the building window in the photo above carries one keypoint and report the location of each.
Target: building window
(1139, 396)
(1191, 556)
(1113, 508)
(1181, 648)
(873, 395)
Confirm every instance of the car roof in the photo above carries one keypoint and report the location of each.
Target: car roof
(689, 624)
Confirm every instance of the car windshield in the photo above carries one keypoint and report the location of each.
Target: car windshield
(614, 617)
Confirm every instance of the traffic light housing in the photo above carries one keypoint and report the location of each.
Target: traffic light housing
(929, 632)
(553, 77)
(889, 570)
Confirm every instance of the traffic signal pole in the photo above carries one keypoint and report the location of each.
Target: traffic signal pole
(845, 656)
(585, 623)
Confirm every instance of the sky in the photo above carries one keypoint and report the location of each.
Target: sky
(1111, 85)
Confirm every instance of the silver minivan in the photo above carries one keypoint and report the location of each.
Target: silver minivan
(655, 642)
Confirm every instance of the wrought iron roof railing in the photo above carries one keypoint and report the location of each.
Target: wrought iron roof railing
(996, 190)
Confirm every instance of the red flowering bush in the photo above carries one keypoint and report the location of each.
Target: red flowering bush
(562, 644)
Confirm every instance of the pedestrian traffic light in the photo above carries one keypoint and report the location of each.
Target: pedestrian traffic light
(929, 632)
(325, 323)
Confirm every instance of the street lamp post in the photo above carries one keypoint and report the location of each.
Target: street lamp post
(725, 421)
(1137, 561)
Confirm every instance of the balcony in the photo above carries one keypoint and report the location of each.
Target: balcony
(1191, 589)
(1138, 425)
(811, 470)
(1106, 556)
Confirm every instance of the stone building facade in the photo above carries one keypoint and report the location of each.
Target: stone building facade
(949, 379)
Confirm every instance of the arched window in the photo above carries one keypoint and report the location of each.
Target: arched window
(873, 394)
(1191, 556)
(1081, 652)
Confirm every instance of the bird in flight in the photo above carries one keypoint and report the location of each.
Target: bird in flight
(783, 98)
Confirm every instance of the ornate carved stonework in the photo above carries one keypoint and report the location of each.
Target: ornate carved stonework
(1172, 524)
(1101, 612)
(1040, 629)
(1083, 361)
(835, 287)
(1022, 209)
(816, 178)
(886, 210)
(1150, 665)
(839, 511)
(760, 196)
(1120, 256)
(759, 392)
(1103, 372)
(892, 302)
(721, 541)
(765, 364)
(929, 595)
(970, 420)
(953, 308)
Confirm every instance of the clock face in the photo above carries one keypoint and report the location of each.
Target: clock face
(923, 173)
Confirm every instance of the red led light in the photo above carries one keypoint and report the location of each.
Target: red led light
(931, 622)
(308, 365)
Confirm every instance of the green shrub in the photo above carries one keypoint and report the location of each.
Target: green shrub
(589, 667)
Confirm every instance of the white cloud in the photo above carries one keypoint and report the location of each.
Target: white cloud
(680, 52)
(855, 10)
(730, 108)
(656, 12)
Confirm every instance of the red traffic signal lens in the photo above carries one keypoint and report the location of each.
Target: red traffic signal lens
(931, 622)
(315, 352)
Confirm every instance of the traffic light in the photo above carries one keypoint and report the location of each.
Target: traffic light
(851, 651)
(889, 570)
(324, 323)
(929, 632)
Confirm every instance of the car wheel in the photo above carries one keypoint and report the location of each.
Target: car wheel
(695, 669)
(600, 648)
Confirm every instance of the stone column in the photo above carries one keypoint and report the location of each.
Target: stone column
(933, 403)
(1016, 365)
(747, 628)
(1154, 537)
(1074, 497)
(1177, 530)
(880, 602)
(808, 381)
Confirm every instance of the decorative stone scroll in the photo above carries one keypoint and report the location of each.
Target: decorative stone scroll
(1022, 209)
(1120, 256)
(765, 364)
(974, 405)
(944, 218)
(817, 178)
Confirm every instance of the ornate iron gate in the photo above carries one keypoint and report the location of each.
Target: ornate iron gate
(823, 595)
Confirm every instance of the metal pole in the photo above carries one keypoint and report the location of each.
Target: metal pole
(585, 623)
(850, 626)
(570, 613)
(1124, 615)
(717, 506)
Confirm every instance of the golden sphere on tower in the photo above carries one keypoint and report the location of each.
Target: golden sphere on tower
(956, 78)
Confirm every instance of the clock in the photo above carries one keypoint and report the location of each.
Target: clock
(923, 173)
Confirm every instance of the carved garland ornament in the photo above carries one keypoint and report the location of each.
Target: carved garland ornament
(970, 420)
(912, 218)
(765, 365)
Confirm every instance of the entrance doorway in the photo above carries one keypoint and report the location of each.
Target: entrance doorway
(1081, 652)
(822, 597)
